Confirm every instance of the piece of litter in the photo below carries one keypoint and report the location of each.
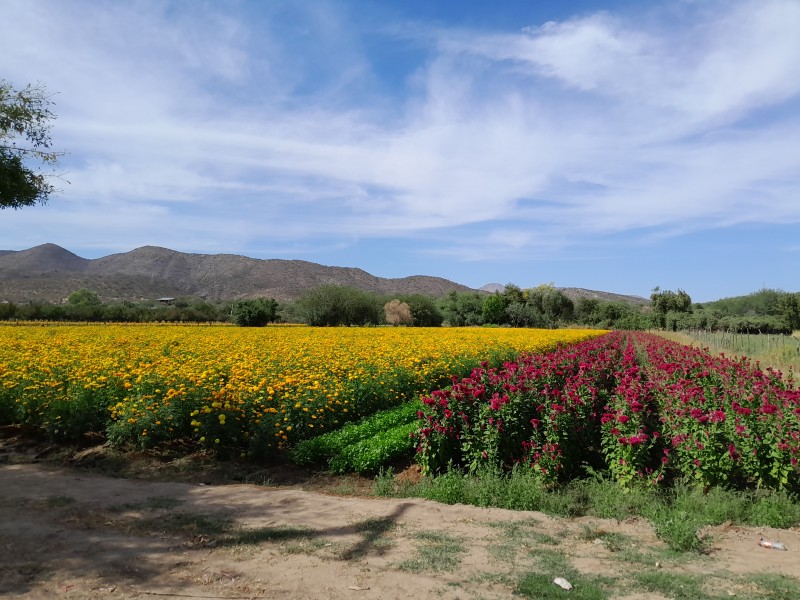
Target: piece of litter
(562, 583)
(356, 588)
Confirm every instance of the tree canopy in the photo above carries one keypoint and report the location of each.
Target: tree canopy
(25, 121)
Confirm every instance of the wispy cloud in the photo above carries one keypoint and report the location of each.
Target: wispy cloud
(213, 129)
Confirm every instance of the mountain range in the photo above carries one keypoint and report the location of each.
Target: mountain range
(49, 273)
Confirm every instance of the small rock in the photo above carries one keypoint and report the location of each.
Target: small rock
(562, 583)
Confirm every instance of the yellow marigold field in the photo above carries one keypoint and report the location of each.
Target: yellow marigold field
(240, 389)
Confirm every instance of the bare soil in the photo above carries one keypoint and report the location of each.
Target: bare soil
(90, 523)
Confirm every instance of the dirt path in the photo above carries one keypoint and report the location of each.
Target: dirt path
(69, 533)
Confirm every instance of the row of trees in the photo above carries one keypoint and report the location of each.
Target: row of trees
(328, 305)
(543, 306)
(85, 306)
(766, 311)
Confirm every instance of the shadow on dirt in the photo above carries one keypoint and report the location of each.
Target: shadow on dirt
(58, 524)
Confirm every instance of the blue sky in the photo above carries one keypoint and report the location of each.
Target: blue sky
(608, 145)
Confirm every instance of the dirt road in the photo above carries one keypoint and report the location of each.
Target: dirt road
(67, 533)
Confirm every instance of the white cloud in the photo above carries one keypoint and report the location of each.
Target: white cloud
(197, 127)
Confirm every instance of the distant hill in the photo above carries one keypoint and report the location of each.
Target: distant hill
(575, 293)
(50, 273)
(493, 287)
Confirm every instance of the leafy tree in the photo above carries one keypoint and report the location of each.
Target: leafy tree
(667, 301)
(790, 310)
(423, 310)
(254, 312)
(398, 313)
(587, 311)
(7, 310)
(514, 293)
(494, 309)
(463, 309)
(24, 138)
(83, 297)
(553, 305)
(521, 314)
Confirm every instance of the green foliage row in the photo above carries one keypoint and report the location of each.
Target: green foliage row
(764, 311)
(543, 306)
(331, 305)
(372, 454)
(327, 305)
(183, 310)
(334, 448)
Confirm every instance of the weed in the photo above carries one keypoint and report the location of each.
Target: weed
(615, 542)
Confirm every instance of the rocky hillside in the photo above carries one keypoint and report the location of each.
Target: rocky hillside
(50, 273)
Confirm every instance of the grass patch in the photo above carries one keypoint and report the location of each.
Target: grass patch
(516, 536)
(541, 586)
(436, 551)
(776, 586)
(615, 542)
(673, 585)
(552, 562)
(676, 513)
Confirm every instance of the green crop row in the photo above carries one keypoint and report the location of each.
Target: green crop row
(365, 445)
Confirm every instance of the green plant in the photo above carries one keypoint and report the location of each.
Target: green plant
(773, 509)
(369, 455)
(390, 429)
(678, 528)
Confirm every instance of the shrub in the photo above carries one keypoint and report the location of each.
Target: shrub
(255, 312)
(398, 313)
